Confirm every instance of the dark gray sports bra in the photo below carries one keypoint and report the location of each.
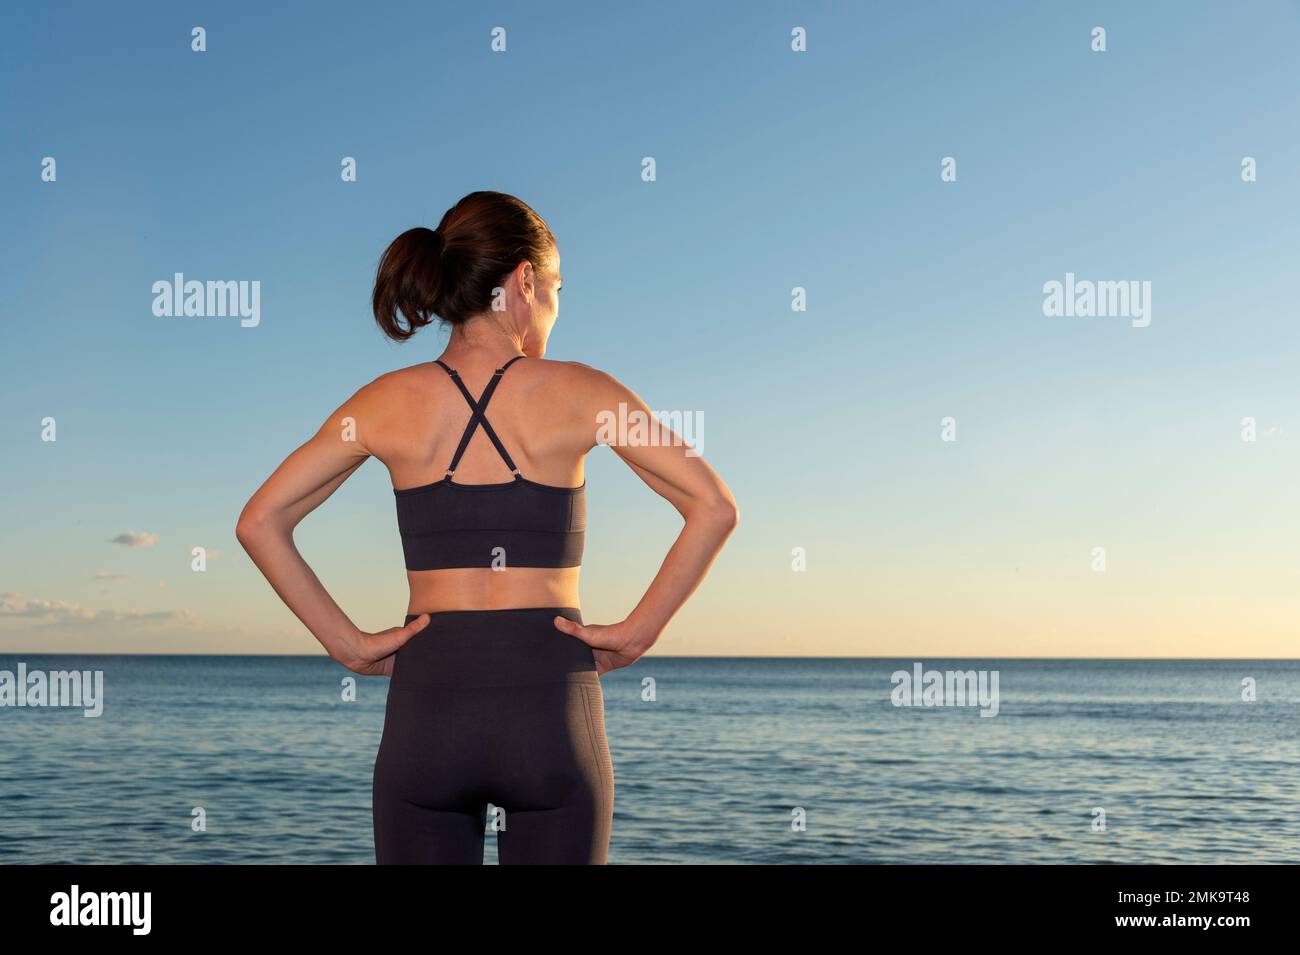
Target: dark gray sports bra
(518, 523)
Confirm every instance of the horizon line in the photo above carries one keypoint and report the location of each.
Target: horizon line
(679, 656)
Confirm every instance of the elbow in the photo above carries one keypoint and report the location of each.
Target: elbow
(724, 514)
(250, 528)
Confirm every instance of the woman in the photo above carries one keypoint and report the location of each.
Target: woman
(495, 694)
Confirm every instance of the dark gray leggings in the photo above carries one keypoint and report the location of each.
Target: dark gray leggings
(494, 706)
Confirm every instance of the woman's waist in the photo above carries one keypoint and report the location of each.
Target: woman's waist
(515, 646)
(510, 618)
(475, 588)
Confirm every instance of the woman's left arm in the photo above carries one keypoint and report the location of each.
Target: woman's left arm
(299, 485)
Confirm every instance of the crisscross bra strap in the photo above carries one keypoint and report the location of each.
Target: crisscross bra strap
(477, 417)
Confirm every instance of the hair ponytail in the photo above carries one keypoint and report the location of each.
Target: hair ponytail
(451, 273)
(407, 282)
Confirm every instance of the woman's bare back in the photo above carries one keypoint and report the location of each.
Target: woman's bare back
(543, 413)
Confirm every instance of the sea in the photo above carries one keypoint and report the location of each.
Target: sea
(258, 759)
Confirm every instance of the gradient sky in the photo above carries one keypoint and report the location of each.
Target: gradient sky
(775, 170)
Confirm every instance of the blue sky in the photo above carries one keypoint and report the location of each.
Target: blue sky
(775, 169)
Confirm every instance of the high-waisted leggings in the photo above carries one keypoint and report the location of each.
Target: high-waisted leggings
(499, 707)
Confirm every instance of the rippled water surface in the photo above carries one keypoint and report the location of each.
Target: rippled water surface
(713, 770)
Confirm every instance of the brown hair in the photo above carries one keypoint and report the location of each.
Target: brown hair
(452, 271)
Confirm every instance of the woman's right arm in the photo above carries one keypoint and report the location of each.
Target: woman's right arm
(659, 457)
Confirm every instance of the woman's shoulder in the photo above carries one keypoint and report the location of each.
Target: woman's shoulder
(580, 373)
(574, 378)
(389, 397)
(589, 387)
(400, 381)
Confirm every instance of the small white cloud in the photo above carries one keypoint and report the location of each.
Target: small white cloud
(135, 539)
